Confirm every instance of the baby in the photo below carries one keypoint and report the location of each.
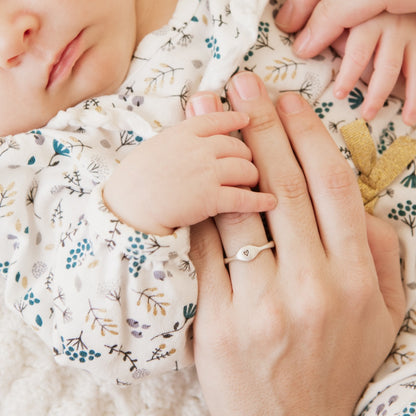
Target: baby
(96, 216)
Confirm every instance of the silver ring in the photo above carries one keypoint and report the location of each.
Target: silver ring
(248, 253)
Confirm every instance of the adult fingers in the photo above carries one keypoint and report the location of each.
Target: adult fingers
(292, 223)
(357, 55)
(214, 286)
(237, 230)
(331, 182)
(294, 14)
(384, 246)
(387, 67)
(249, 279)
(203, 102)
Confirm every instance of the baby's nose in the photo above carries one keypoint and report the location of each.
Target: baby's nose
(16, 35)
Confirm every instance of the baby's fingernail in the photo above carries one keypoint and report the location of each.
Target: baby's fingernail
(369, 113)
(291, 103)
(285, 14)
(246, 86)
(302, 41)
(203, 104)
(410, 118)
(340, 93)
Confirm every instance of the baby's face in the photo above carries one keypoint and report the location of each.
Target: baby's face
(55, 53)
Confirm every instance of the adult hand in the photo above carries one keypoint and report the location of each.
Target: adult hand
(305, 329)
(323, 21)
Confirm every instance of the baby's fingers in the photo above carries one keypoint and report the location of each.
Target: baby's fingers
(357, 55)
(232, 199)
(409, 71)
(233, 171)
(387, 66)
(216, 123)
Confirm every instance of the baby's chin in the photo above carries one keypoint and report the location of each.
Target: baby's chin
(15, 124)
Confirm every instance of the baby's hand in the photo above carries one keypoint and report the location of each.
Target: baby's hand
(387, 38)
(386, 43)
(186, 174)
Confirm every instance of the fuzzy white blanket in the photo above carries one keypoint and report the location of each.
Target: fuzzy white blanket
(31, 383)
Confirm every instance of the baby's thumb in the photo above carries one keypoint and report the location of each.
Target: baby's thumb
(203, 103)
(384, 246)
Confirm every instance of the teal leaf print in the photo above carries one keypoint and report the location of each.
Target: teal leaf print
(406, 213)
(39, 320)
(355, 98)
(409, 410)
(189, 311)
(4, 267)
(410, 180)
(212, 44)
(60, 149)
(78, 254)
(31, 161)
(135, 253)
(323, 108)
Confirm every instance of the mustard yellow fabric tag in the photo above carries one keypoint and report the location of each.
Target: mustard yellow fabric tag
(376, 173)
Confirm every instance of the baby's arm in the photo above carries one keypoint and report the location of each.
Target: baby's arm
(186, 174)
(104, 297)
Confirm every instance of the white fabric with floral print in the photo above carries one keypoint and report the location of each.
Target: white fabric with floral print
(120, 303)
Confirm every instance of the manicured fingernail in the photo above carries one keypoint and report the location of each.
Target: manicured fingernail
(203, 104)
(284, 16)
(291, 103)
(302, 41)
(246, 86)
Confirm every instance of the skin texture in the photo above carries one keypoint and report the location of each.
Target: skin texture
(34, 33)
(286, 333)
(388, 44)
(203, 170)
(382, 30)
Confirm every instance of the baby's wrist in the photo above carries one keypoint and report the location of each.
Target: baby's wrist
(131, 215)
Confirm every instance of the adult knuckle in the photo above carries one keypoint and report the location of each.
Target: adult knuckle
(338, 180)
(263, 121)
(290, 186)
